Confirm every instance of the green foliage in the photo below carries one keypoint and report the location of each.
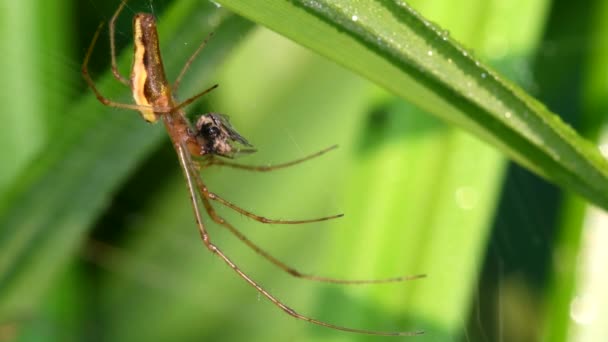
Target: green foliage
(96, 232)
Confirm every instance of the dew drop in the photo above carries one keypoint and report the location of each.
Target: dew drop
(604, 150)
(583, 310)
(355, 18)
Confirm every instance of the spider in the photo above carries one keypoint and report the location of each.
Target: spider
(209, 142)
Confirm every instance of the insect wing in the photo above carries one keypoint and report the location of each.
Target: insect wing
(232, 133)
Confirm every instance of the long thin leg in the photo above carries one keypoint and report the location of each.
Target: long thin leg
(212, 196)
(188, 63)
(215, 197)
(101, 98)
(220, 220)
(259, 168)
(206, 195)
(189, 171)
(194, 98)
(111, 25)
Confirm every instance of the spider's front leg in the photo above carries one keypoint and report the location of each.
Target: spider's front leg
(214, 160)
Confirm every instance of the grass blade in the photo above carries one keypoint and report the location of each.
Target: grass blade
(391, 44)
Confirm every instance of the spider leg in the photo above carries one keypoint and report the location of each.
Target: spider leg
(215, 197)
(290, 270)
(111, 25)
(188, 63)
(194, 98)
(189, 173)
(267, 168)
(206, 196)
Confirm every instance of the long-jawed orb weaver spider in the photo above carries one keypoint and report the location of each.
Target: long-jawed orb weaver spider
(203, 145)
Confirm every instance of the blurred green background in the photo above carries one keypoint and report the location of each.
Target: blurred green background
(97, 238)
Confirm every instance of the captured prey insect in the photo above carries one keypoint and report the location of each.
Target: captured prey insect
(209, 142)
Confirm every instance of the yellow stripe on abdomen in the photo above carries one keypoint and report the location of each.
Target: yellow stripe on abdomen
(139, 76)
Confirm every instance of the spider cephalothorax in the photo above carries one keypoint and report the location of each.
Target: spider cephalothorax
(216, 136)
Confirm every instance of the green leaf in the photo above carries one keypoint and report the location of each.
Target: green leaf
(30, 102)
(392, 45)
(576, 303)
(415, 207)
